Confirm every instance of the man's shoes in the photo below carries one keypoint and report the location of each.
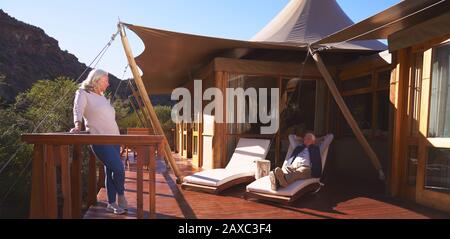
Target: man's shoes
(114, 208)
(273, 181)
(279, 175)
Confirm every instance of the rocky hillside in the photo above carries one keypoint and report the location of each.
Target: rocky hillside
(28, 54)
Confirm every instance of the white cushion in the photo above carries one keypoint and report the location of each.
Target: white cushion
(247, 152)
(262, 185)
(216, 177)
(242, 164)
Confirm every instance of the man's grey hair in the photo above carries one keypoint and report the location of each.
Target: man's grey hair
(92, 80)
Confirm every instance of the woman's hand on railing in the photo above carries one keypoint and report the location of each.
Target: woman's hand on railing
(75, 130)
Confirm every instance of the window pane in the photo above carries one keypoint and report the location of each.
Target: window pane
(361, 108)
(356, 83)
(438, 170)
(195, 151)
(439, 122)
(414, 92)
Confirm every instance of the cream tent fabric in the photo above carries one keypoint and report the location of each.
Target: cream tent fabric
(303, 22)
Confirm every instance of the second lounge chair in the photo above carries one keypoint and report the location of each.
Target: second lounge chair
(261, 189)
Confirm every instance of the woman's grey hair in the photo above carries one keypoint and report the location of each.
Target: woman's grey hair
(91, 82)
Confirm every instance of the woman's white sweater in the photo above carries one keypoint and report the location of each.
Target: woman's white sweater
(99, 116)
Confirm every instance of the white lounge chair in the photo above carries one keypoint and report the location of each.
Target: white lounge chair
(261, 188)
(240, 169)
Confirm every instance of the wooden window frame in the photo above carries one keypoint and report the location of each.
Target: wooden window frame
(373, 89)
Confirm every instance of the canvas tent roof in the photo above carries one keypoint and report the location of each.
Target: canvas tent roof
(170, 58)
(398, 17)
(304, 22)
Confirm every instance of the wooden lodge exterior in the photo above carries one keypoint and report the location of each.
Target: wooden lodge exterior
(392, 95)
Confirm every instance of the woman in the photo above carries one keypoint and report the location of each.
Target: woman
(100, 118)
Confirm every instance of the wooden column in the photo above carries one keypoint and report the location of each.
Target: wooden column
(347, 114)
(148, 104)
(399, 87)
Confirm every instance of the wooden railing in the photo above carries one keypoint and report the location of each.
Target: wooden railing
(63, 151)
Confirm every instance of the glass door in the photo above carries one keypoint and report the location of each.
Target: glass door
(433, 172)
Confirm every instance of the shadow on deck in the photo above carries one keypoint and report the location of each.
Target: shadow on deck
(340, 199)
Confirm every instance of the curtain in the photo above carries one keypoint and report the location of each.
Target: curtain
(439, 123)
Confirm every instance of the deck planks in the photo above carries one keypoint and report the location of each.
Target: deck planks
(341, 200)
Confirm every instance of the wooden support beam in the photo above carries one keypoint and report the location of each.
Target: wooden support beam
(148, 104)
(347, 114)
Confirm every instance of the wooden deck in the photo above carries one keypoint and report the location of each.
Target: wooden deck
(340, 199)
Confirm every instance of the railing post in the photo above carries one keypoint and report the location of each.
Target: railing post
(37, 204)
(151, 181)
(139, 182)
(92, 180)
(76, 181)
(101, 176)
(50, 182)
(63, 152)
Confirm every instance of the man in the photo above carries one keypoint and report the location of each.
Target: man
(304, 162)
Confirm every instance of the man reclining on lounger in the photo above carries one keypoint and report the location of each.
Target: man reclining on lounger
(304, 162)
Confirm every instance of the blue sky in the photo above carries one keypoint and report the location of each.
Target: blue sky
(83, 27)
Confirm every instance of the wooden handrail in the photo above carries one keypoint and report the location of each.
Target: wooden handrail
(52, 151)
(86, 139)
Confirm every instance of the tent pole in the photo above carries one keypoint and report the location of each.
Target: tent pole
(148, 104)
(347, 114)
